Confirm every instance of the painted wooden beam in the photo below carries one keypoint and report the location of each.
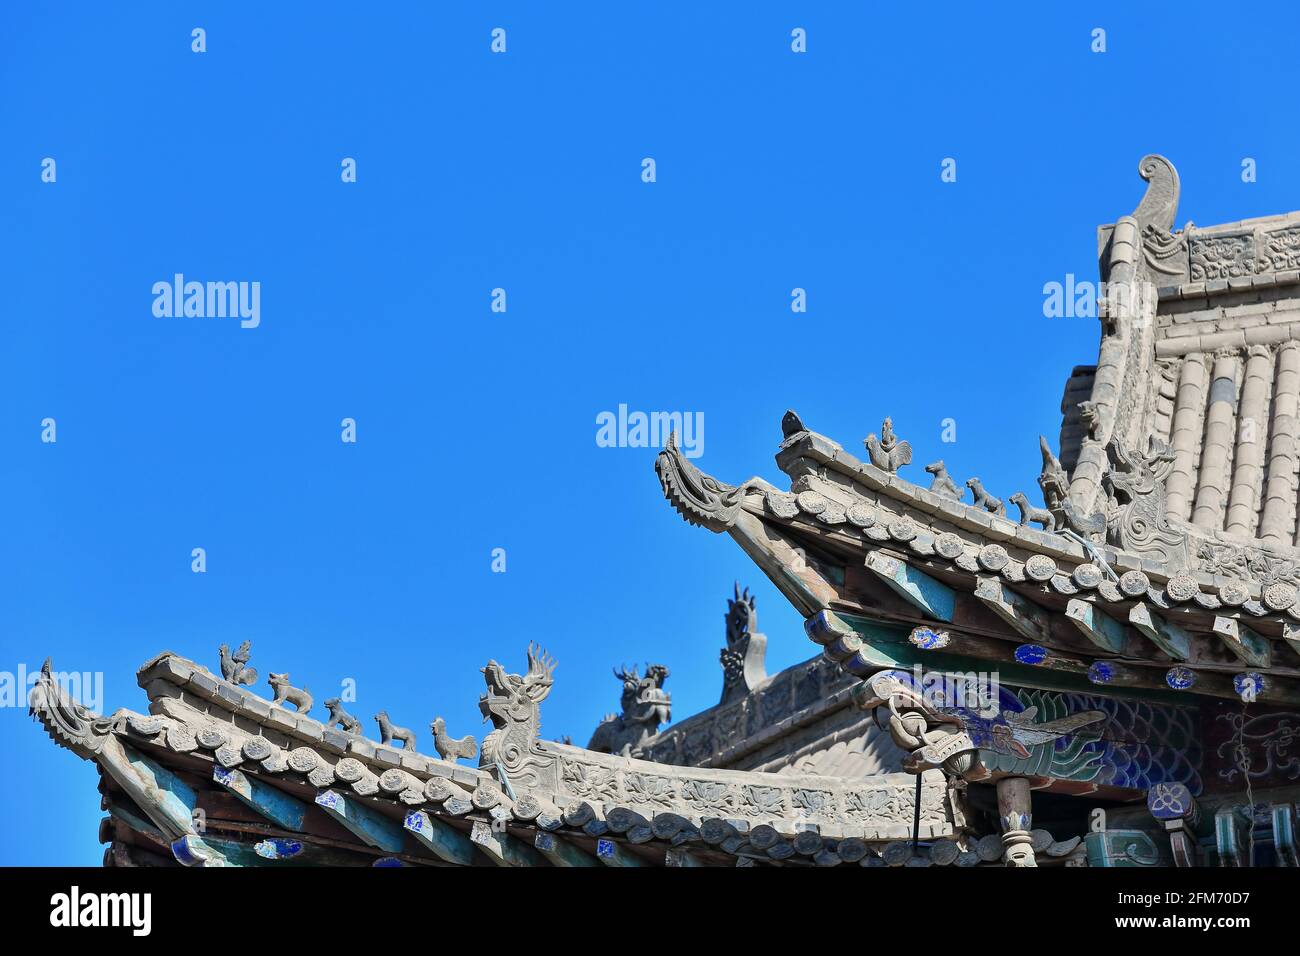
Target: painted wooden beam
(1025, 617)
(441, 839)
(930, 596)
(136, 822)
(1102, 629)
(680, 857)
(1291, 634)
(503, 848)
(280, 808)
(1228, 838)
(841, 643)
(611, 854)
(370, 826)
(208, 852)
(1115, 674)
(561, 852)
(1283, 815)
(1170, 638)
(1251, 649)
(174, 799)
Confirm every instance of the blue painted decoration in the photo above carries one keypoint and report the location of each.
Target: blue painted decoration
(184, 852)
(928, 639)
(387, 861)
(1109, 741)
(278, 849)
(1101, 672)
(605, 848)
(1169, 801)
(1032, 654)
(1180, 678)
(1248, 685)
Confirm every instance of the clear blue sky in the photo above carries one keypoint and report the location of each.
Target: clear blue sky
(476, 430)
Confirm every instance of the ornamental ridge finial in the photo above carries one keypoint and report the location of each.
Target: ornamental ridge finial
(1160, 204)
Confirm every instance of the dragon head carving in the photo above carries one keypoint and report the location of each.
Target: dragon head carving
(1132, 475)
(742, 616)
(699, 498)
(66, 721)
(513, 703)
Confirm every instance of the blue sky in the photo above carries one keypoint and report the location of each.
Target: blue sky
(476, 430)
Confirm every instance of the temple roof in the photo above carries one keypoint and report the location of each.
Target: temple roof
(1200, 351)
(1164, 553)
(853, 537)
(344, 799)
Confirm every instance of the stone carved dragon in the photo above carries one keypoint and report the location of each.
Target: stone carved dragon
(930, 738)
(66, 721)
(513, 703)
(743, 659)
(1138, 520)
(699, 498)
(646, 705)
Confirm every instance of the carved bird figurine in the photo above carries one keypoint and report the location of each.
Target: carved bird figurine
(449, 748)
(232, 665)
(887, 452)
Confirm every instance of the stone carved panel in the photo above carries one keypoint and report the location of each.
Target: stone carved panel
(1222, 257)
(1280, 250)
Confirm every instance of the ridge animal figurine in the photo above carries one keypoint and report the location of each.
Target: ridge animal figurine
(942, 484)
(232, 665)
(450, 748)
(341, 718)
(285, 694)
(985, 500)
(887, 452)
(388, 732)
(1030, 513)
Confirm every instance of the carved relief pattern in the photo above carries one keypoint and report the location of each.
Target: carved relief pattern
(588, 781)
(1242, 562)
(649, 788)
(762, 801)
(1266, 747)
(1280, 250)
(1222, 257)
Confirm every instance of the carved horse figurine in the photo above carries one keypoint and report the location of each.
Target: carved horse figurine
(985, 500)
(285, 694)
(1030, 513)
(388, 732)
(341, 718)
(449, 748)
(232, 665)
(943, 484)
